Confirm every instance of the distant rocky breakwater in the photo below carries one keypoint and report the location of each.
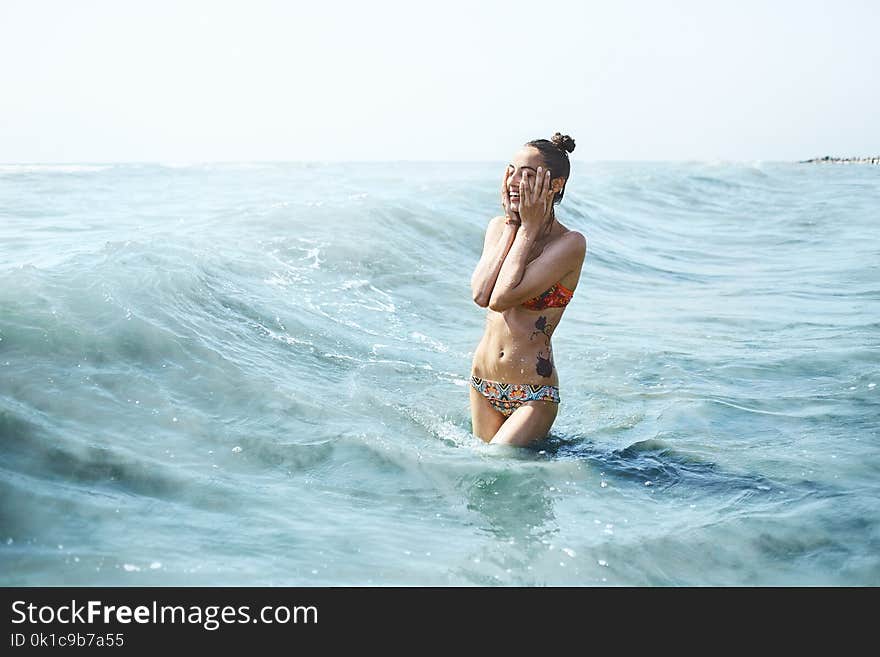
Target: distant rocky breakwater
(843, 160)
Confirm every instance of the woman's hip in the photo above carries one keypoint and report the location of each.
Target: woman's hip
(510, 391)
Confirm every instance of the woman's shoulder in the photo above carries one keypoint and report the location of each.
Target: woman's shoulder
(568, 245)
(575, 254)
(574, 240)
(495, 223)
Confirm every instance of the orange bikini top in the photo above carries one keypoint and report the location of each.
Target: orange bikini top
(556, 297)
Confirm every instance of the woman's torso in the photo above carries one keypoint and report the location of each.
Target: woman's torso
(516, 346)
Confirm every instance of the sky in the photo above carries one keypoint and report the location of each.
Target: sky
(126, 80)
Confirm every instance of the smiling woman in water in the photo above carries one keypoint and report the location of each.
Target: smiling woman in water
(527, 274)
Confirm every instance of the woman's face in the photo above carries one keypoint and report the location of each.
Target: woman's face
(528, 158)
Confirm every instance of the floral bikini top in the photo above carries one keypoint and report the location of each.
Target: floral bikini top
(556, 296)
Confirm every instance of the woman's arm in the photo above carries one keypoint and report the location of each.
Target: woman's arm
(517, 283)
(500, 234)
(499, 238)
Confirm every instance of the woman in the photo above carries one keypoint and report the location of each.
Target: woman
(529, 269)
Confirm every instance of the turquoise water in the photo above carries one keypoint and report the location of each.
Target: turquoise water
(256, 374)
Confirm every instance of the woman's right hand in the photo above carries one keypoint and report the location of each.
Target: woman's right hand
(512, 215)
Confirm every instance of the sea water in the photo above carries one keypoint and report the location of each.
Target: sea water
(257, 374)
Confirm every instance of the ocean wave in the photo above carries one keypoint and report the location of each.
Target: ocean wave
(276, 354)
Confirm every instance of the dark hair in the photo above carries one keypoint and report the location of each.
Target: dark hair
(555, 153)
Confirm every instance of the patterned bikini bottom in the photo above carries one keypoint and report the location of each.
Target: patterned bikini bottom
(507, 397)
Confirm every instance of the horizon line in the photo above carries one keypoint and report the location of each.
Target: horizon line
(183, 161)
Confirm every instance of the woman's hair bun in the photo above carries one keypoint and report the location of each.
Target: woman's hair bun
(563, 142)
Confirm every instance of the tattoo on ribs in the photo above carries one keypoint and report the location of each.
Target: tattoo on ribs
(544, 366)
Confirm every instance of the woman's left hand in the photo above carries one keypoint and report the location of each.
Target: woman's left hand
(535, 199)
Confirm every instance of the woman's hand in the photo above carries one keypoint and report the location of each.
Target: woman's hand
(535, 199)
(512, 215)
